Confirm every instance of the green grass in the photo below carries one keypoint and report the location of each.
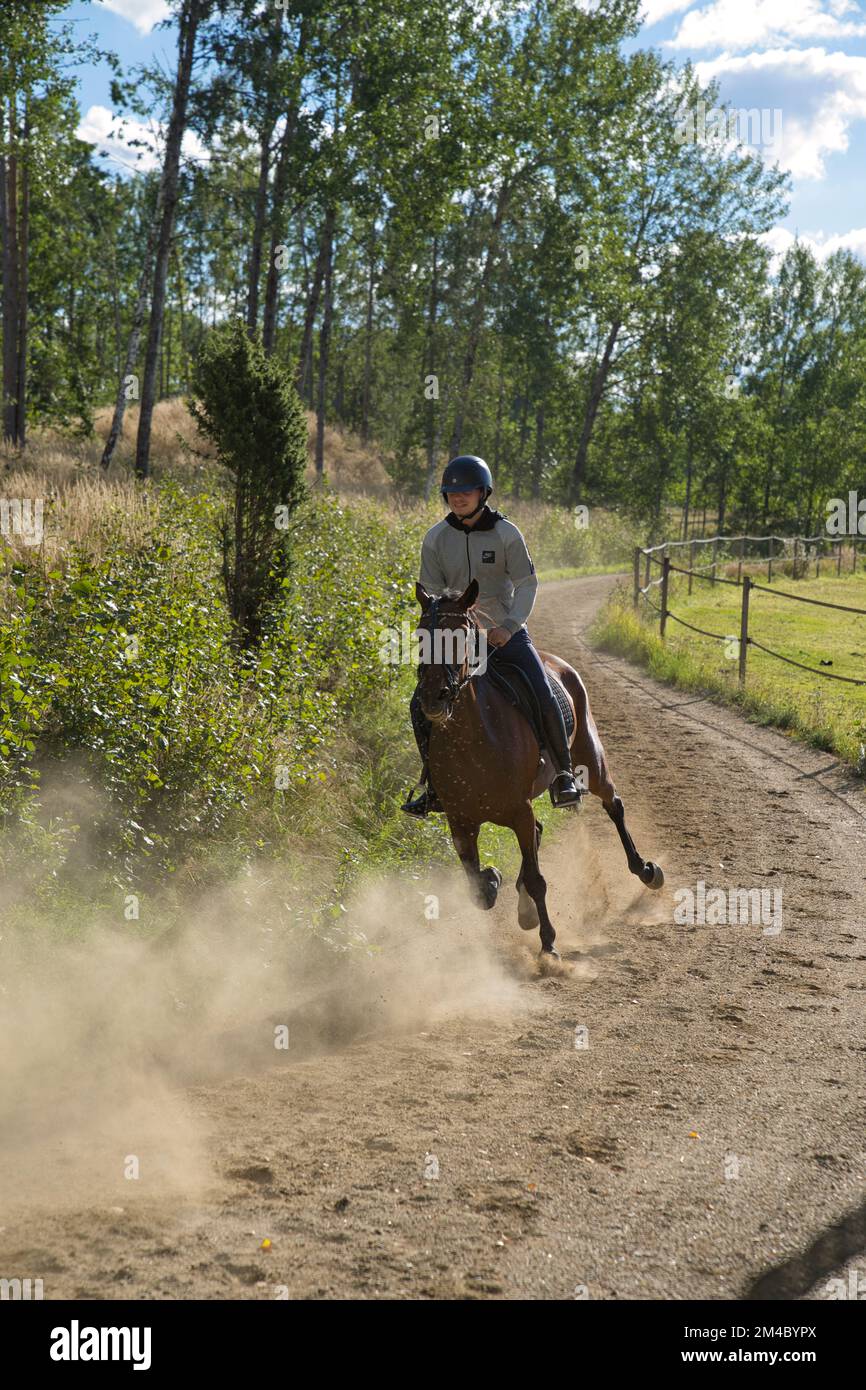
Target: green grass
(579, 571)
(824, 713)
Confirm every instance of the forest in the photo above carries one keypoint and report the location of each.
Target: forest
(463, 227)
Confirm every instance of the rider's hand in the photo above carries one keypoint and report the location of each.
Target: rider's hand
(498, 636)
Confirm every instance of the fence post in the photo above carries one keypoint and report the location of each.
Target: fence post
(769, 559)
(666, 569)
(740, 560)
(796, 556)
(744, 629)
(636, 575)
(646, 576)
(715, 553)
(691, 563)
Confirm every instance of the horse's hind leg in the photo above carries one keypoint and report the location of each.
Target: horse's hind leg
(587, 753)
(648, 872)
(531, 880)
(484, 883)
(527, 913)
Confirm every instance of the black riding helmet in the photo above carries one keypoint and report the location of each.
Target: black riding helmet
(466, 471)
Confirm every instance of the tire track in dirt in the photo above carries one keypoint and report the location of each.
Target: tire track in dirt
(555, 1171)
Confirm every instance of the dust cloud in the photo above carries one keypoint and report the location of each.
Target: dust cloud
(105, 1037)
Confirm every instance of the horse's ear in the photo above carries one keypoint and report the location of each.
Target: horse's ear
(468, 598)
(423, 597)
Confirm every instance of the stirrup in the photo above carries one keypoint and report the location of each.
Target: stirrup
(422, 804)
(567, 793)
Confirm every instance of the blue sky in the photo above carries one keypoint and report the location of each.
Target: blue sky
(806, 59)
(803, 58)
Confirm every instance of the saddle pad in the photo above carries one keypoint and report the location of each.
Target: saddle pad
(564, 703)
(515, 687)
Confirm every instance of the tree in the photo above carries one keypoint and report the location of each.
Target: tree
(191, 13)
(34, 98)
(246, 404)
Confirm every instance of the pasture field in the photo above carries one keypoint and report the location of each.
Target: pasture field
(825, 713)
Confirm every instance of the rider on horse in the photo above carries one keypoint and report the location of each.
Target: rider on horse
(475, 541)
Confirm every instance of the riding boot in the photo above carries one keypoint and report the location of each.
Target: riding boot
(426, 800)
(564, 790)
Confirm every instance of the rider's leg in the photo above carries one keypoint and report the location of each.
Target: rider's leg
(426, 800)
(520, 651)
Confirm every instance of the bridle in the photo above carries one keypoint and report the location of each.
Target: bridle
(455, 677)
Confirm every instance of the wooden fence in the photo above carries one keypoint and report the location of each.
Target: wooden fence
(795, 551)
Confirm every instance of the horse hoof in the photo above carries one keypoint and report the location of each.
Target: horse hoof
(527, 912)
(549, 953)
(491, 882)
(655, 877)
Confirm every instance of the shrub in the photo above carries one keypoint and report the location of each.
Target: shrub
(246, 405)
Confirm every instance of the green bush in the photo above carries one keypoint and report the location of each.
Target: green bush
(123, 668)
(246, 404)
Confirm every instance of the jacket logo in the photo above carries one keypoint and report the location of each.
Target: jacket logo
(488, 557)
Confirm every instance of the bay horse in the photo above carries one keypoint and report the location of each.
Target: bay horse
(484, 760)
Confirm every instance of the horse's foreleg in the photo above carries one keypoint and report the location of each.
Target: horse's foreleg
(648, 872)
(531, 879)
(484, 883)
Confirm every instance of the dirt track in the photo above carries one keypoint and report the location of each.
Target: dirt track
(605, 1170)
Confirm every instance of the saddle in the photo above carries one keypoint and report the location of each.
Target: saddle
(515, 686)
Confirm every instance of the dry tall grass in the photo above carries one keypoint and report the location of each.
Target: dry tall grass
(179, 449)
(81, 503)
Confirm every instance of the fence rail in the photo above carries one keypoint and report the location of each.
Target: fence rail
(650, 556)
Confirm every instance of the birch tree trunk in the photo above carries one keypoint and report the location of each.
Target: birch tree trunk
(131, 345)
(23, 282)
(255, 267)
(189, 20)
(325, 340)
(10, 284)
(477, 319)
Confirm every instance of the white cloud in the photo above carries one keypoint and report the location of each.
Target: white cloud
(819, 94)
(736, 25)
(111, 133)
(656, 10)
(144, 14)
(779, 240)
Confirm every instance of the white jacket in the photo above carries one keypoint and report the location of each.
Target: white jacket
(492, 551)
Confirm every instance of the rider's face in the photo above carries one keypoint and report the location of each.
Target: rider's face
(462, 503)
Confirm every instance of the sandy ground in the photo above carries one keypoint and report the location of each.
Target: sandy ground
(678, 1112)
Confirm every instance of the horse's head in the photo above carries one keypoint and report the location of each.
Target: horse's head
(448, 633)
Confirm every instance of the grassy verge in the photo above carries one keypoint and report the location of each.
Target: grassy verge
(821, 712)
(578, 572)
